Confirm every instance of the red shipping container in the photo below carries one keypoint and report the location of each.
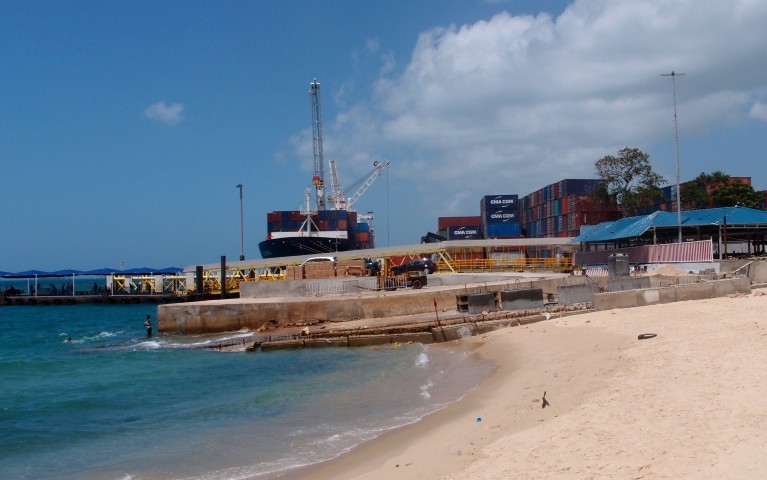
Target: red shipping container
(363, 237)
(444, 223)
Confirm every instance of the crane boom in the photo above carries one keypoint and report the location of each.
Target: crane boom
(319, 162)
(336, 195)
(367, 182)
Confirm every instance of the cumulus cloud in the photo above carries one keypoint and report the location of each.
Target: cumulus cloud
(758, 111)
(526, 100)
(164, 113)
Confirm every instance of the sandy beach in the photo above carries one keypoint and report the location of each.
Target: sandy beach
(688, 403)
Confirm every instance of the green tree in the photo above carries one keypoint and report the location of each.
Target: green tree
(630, 179)
(694, 196)
(695, 193)
(737, 193)
(723, 191)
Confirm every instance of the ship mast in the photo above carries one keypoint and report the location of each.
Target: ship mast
(318, 180)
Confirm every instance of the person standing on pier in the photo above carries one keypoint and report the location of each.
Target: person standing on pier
(148, 326)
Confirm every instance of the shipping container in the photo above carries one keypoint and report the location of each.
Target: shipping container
(498, 202)
(498, 216)
(506, 229)
(363, 227)
(443, 223)
(465, 232)
(576, 186)
(363, 237)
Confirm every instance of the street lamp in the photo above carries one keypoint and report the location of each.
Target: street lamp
(673, 76)
(242, 235)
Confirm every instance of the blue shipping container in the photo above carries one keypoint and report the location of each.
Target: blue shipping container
(495, 230)
(497, 202)
(499, 216)
(464, 233)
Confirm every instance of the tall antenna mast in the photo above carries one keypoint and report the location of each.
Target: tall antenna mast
(319, 162)
(673, 76)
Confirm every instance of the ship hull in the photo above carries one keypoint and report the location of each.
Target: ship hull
(293, 246)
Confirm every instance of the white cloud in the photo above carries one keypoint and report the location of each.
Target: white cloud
(758, 111)
(387, 63)
(526, 100)
(372, 45)
(163, 113)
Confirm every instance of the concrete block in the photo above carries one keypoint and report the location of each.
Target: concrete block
(526, 299)
(695, 291)
(722, 288)
(653, 296)
(611, 300)
(421, 337)
(438, 334)
(326, 342)
(368, 340)
(458, 332)
(481, 302)
(757, 272)
(627, 283)
(282, 345)
(572, 294)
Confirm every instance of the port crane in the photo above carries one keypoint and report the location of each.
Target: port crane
(336, 197)
(318, 180)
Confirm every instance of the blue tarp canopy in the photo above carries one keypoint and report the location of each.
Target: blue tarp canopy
(632, 227)
(99, 271)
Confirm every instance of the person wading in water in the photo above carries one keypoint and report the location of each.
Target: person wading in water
(148, 326)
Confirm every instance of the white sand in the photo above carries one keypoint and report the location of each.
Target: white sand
(689, 403)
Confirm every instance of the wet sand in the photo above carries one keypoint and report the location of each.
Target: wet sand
(689, 403)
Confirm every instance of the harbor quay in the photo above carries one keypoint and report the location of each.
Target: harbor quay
(266, 306)
(287, 315)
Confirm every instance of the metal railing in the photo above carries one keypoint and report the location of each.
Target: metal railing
(511, 264)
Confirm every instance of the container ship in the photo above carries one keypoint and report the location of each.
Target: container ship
(330, 224)
(295, 232)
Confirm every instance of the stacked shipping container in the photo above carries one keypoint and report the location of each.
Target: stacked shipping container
(500, 216)
(560, 209)
(556, 210)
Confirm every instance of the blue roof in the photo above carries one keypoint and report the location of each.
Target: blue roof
(100, 271)
(632, 227)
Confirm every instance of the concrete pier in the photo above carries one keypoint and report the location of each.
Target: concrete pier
(290, 311)
(381, 318)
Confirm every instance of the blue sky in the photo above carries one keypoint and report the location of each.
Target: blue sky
(125, 126)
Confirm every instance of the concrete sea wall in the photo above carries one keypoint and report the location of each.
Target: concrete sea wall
(294, 308)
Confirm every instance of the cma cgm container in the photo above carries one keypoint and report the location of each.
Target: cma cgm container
(465, 232)
(500, 216)
(496, 230)
(497, 202)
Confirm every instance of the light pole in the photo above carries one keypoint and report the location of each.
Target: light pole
(242, 235)
(673, 76)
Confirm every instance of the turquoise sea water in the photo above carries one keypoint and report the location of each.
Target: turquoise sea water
(114, 404)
